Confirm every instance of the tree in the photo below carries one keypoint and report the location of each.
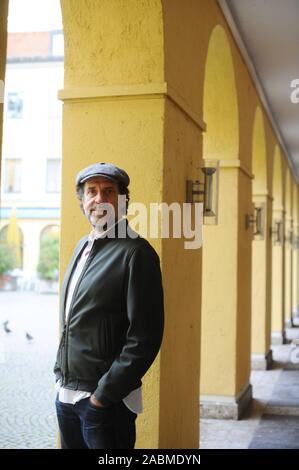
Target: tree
(7, 258)
(49, 259)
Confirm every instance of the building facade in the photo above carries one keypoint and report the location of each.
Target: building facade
(31, 151)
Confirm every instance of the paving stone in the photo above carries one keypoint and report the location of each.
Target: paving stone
(276, 432)
(27, 393)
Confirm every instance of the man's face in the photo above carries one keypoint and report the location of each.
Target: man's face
(99, 191)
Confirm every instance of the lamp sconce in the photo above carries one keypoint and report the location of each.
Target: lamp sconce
(206, 191)
(257, 221)
(277, 232)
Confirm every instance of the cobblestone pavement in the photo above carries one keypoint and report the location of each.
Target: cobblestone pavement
(27, 392)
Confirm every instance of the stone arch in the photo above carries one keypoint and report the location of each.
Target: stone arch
(220, 109)
(220, 280)
(51, 231)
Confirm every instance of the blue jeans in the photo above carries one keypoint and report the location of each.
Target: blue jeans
(85, 426)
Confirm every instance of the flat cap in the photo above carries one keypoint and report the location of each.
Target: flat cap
(108, 170)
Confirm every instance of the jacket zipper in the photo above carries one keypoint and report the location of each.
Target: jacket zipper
(66, 327)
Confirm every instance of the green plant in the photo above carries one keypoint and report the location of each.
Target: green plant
(48, 262)
(7, 258)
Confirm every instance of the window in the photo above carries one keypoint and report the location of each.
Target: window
(12, 183)
(53, 175)
(14, 105)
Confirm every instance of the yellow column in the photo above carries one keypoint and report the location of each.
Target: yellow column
(295, 273)
(278, 282)
(3, 41)
(295, 254)
(261, 354)
(297, 263)
(226, 300)
(288, 272)
(117, 108)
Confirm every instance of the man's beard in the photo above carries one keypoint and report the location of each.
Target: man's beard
(100, 218)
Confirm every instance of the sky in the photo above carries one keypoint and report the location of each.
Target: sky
(34, 15)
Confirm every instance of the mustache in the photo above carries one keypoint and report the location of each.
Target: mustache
(96, 207)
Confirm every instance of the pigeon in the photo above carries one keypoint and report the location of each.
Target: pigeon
(29, 337)
(6, 329)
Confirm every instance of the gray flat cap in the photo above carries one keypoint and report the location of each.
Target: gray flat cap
(103, 169)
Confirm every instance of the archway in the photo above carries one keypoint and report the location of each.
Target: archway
(225, 360)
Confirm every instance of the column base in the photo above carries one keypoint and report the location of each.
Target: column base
(226, 407)
(278, 338)
(288, 323)
(262, 361)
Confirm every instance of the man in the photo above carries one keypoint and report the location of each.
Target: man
(111, 319)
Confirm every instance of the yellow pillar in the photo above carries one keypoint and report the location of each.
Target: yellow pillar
(295, 253)
(261, 354)
(288, 272)
(297, 286)
(118, 108)
(295, 274)
(3, 41)
(226, 300)
(278, 281)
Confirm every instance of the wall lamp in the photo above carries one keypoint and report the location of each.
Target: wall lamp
(277, 232)
(257, 221)
(206, 191)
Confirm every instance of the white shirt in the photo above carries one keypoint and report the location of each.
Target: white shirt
(134, 400)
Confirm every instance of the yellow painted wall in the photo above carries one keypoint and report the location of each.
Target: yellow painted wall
(182, 273)
(114, 47)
